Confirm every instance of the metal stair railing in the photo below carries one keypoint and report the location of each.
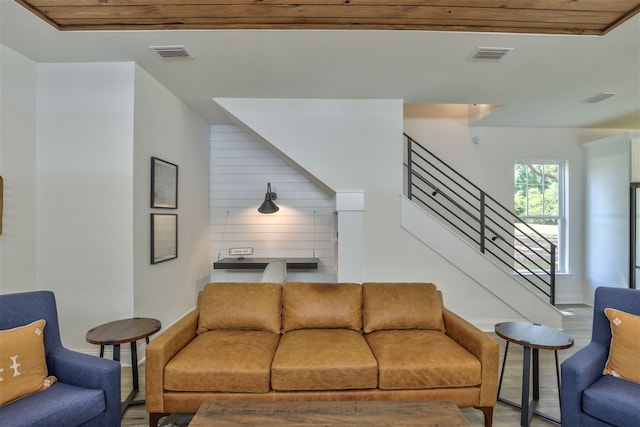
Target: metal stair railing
(480, 219)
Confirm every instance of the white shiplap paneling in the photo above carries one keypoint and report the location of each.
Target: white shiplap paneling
(305, 225)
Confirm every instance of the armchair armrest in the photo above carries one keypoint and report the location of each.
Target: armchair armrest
(579, 372)
(88, 371)
(160, 351)
(483, 347)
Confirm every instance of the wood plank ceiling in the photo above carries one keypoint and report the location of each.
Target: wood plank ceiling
(582, 17)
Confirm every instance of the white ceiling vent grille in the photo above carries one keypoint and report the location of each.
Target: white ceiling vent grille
(492, 54)
(172, 52)
(599, 97)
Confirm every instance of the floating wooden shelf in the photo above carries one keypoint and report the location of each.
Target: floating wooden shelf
(261, 263)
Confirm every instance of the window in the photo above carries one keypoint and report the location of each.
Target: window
(539, 203)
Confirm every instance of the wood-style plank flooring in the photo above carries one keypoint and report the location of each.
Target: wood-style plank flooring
(576, 322)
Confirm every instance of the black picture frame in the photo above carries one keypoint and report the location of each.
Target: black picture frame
(164, 237)
(164, 184)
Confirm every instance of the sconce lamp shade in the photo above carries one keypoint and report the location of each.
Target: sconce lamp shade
(268, 206)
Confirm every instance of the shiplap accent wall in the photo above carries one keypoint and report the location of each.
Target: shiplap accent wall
(241, 166)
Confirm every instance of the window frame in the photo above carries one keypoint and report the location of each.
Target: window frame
(561, 217)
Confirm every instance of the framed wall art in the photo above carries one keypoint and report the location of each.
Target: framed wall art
(164, 184)
(164, 237)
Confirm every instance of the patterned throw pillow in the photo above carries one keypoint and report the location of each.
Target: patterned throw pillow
(23, 368)
(624, 352)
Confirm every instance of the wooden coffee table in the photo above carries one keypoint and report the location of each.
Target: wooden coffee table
(337, 413)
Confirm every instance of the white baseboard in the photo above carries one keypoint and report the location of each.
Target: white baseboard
(125, 352)
(488, 325)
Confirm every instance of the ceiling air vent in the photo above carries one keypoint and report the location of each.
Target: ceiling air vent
(490, 53)
(599, 97)
(171, 52)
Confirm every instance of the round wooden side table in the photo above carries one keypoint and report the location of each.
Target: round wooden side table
(120, 332)
(531, 336)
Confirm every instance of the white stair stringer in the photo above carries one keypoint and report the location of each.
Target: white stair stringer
(475, 265)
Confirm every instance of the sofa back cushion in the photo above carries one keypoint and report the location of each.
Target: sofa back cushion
(401, 306)
(254, 306)
(322, 306)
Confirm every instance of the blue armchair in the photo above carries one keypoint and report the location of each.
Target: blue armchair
(87, 392)
(588, 397)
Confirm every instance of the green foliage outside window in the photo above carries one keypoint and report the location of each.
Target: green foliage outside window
(536, 192)
(537, 203)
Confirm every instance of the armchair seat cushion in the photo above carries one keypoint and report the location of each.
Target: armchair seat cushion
(614, 401)
(422, 359)
(56, 406)
(224, 361)
(323, 359)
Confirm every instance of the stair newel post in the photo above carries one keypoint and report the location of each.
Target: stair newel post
(409, 168)
(482, 228)
(552, 276)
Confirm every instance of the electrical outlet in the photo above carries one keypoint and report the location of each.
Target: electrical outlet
(240, 251)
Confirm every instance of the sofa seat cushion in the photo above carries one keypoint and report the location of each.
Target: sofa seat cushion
(223, 361)
(323, 359)
(422, 359)
(60, 405)
(613, 400)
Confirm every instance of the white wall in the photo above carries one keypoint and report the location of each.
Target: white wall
(241, 166)
(76, 146)
(356, 145)
(166, 128)
(17, 168)
(84, 195)
(489, 165)
(607, 165)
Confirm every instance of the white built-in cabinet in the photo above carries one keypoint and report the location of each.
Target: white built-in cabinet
(610, 166)
(635, 159)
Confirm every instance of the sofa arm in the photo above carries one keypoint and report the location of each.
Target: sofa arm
(483, 347)
(160, 351)
(92, 372)
(578, 372)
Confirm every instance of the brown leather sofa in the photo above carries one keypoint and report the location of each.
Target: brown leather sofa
(320, 341)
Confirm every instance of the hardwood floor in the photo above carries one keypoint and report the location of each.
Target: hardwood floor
(576, 322)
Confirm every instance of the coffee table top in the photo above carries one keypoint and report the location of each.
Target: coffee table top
(534, 335)
(327, 413)
(123, 331)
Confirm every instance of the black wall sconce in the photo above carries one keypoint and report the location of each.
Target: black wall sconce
(268, 206)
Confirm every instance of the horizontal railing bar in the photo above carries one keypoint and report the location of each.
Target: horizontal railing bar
(468, 182)
(519, 262)
(446, 208)
(443, 173)
(515, 238)
(454, 201)
(426, 181)
(514, 216)
(440, 160)
(451, 223)
(436, 189)
(520, 274)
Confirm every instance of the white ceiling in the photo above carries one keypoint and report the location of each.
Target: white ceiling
(541, 83)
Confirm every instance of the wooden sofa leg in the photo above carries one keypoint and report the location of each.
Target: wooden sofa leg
(154, 418)
(488, 415)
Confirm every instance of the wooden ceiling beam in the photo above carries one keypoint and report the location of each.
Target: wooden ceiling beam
(517, 16)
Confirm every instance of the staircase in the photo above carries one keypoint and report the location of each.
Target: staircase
(480, 236)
